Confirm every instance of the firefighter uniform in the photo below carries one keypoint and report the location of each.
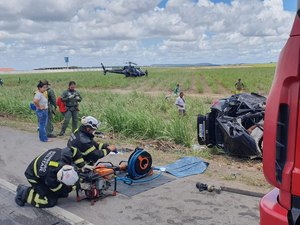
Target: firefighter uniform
(91, 150)
(42, 175)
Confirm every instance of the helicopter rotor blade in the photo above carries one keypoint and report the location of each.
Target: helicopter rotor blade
(104, 70)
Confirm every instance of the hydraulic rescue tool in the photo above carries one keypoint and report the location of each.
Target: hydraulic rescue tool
(218, 190)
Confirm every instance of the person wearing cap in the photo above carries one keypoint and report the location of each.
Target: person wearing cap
(71, 98)
(83, 140)
(51, 177)
(41, 103)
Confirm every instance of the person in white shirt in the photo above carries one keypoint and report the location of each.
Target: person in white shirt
(180, 102)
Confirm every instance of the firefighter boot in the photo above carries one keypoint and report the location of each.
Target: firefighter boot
(20, 198)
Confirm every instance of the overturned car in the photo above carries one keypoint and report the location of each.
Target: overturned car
(234, 124)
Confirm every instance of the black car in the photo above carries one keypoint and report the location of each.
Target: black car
(234, 124)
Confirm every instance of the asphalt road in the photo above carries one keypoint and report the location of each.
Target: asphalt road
(177, 202)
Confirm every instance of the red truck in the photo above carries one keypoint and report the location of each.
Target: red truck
(281, 150)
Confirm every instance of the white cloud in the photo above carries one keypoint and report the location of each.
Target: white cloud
(40, 33)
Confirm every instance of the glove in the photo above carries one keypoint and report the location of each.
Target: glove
(77, 98)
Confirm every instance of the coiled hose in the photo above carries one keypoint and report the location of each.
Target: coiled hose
(139, 166)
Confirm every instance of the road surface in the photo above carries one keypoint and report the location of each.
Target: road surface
(177, 202)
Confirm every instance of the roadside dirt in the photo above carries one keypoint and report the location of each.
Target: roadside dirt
(206, 88)
(222, 90)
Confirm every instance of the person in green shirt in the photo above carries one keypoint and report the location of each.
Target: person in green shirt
(71, 98)
(176, 90)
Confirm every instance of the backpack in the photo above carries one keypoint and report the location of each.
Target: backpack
(61, 105)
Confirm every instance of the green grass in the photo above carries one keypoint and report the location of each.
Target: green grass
(255, 79)
(133, 113)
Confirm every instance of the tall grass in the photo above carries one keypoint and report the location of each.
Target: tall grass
(199, 84)
(255, 79)
(133, 113)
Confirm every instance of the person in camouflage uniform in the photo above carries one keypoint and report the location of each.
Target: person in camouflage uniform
(239, 86)
(71, 98)
(51, 110)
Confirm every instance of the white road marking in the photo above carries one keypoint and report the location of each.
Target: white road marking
(55, 211)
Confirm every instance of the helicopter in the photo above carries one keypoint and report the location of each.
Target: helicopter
(128, 71)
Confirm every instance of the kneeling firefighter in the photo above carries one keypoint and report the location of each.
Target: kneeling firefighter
(83, 140)
(51, 177)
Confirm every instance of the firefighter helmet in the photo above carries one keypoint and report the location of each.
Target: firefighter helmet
(67, 175)
(90, 121)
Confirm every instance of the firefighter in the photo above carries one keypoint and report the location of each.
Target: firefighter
(51, 177)
(83, 140)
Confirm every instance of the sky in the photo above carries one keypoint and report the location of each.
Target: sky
(35, 34)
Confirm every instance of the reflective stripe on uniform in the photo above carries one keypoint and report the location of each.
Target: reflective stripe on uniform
(78, 161)
(30, 195)
(39, 200)
(88, 151)
(32, 181)
(104, 152)
(100, 145)
(57, 188)
(74, 151)
(35, 164)
(53, 163)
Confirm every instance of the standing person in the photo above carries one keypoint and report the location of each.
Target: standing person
(51, 177)
(83, 140)
(1, 82)
(71, 98)
(176, 90)
(41, 104)
(51, 110)
(180, 102)
(239, 86)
